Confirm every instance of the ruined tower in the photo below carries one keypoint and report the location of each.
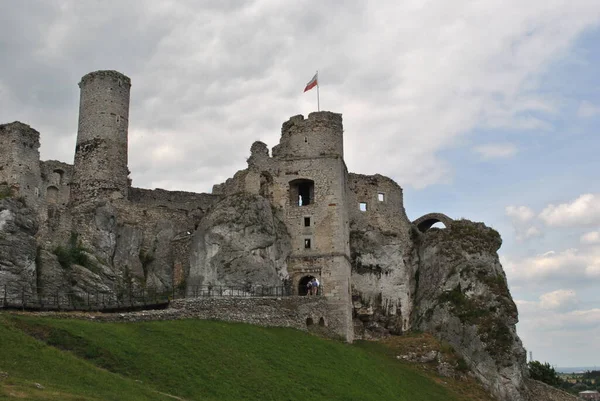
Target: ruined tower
(100, 169)
(20, 161)
(311, 159)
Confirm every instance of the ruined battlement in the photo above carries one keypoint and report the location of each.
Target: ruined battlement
(319, 135)
(18, 130)
(105, 74)
(20, 160)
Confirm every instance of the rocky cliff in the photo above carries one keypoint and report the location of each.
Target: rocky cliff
(18, 248)
(242, 241)
(462, 297)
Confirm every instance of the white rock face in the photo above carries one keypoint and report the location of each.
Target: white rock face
(5, 217)
(382, 283)
(241, 241)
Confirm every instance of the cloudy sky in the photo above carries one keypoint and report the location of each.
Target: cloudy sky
(488, 110)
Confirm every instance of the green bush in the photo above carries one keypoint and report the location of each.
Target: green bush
(544, 373)
(5, 192)
(72, 254)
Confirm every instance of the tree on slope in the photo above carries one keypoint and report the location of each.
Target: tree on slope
(544, 373)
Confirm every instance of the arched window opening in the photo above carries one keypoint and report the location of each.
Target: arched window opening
(52, 195)
(309, 322)
(302, 192)
(58, 175)
(321, 322)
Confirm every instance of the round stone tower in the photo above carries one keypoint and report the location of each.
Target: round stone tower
(100, 169)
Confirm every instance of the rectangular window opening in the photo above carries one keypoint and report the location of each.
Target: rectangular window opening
(363, 206)
(307, 222)
(306, 243)
(381, 196)
(304, 194)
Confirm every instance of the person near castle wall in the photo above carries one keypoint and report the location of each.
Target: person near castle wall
(309, 287)
(315, 286)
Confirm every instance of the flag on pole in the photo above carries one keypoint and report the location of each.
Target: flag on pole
(312, 83)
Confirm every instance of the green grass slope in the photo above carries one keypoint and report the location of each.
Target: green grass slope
(196, 360)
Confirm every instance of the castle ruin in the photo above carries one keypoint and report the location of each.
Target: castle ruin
(294, 213)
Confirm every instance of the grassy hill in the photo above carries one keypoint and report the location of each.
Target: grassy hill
(201, 360)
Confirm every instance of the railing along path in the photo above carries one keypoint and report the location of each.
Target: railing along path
(15, 297)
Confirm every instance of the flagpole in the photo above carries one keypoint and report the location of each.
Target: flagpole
(318, 101)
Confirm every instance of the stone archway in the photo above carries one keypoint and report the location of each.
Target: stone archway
(302, 285)
(425, 222)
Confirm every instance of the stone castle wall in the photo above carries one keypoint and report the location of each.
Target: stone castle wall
(383, 204)
(54, 212)
(302, 313)
(177, 200)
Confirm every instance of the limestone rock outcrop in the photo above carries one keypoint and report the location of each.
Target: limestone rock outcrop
(382, 284)
(18, 247)
(462, 297)
(241, 241)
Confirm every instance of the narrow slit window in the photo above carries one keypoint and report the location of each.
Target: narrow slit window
(307, 222)
(363, 206)
(306, 243)
(381, 196)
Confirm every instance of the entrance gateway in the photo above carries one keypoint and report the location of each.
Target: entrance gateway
(303, 275)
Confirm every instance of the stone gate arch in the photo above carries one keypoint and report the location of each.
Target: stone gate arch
(425, 222)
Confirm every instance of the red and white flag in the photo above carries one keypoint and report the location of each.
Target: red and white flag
(312, 83)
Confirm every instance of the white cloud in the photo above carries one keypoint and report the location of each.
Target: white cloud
(592, 237)
(559, 299)
(521, 214)
(571, 265)
(546, 327)
(585, 210)
(521, 217)
(411, 76)
(496, 150)
(557, 315)
(528, 233)
(587, 109)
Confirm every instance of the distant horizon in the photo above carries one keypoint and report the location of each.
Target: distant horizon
(576, 369)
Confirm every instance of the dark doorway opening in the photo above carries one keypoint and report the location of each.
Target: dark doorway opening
(302, 289)
(309, 321)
